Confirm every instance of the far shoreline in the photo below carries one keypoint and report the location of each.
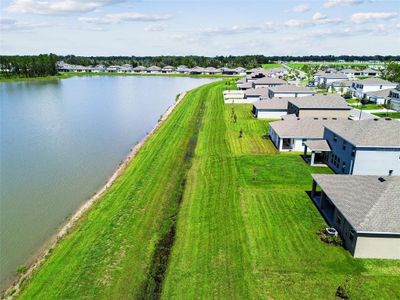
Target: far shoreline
(66, 75)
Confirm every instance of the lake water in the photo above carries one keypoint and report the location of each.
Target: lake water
(60, 141)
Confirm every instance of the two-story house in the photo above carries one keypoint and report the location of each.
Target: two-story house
(362, 87)
(366, 147)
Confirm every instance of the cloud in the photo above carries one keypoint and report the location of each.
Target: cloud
(318, 16)
(317, 19)
(360, 18)
(124, 17)
(59, 7)
(301, 8)
(153, 28)
(333, 3)
(266, 27)
(12, 25)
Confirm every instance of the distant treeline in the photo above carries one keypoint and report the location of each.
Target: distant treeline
(247, 61)
(28, 66)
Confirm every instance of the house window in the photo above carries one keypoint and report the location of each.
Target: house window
(380, 87)
(352, 234)
(344, 167)
(335, 137)
(353, 152)
(344, 145)
(390, 172)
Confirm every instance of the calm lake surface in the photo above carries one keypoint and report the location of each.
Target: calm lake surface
(60, 141)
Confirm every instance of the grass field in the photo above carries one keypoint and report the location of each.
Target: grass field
(393, 115)
(270, 66)
(335, 64)
(246, 229)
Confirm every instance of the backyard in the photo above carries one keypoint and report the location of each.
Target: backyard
(209, 210)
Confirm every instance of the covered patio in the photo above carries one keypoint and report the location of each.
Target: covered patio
(319, 149)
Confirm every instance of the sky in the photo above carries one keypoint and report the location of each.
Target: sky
(200, 27)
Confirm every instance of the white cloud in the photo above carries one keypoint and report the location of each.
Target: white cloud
(318, 16)
(59, 7)
(124, 17)
(297, 23)
(333, 3)
(18, 26)
(317, 19)
(153, 28)
(301, 8)
(360, 18)
(266, 27)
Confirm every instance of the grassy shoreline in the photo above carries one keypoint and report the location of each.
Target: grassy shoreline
(208, 209)
(72, 74)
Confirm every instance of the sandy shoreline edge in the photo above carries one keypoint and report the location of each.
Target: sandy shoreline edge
(43, 252)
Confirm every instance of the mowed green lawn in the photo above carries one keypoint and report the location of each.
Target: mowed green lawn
(393, 115)
(270, 66)
(246, 229)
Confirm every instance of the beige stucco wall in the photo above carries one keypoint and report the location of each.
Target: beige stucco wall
(377, 247)
(324, 113)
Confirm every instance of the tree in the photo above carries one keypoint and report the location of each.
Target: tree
(392, 71)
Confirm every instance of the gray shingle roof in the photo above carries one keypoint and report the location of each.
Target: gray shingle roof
(256, 92)
(334, 76)
(381, 93)
(375, 81)
(367, 203)
(307, 128)
(269, 80)
(291, 88)
(318, 145)
(272, 104)
(319, 101)
(369, 133)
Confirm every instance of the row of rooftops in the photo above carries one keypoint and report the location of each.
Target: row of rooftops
(129, 68)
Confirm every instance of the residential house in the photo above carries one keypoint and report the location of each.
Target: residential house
(290, 134)
(365, 147)
(379, 97)
(153, 70)
(168, 69)
(319, 106)
(270, 109)
(370, 72)
(394, 98)
(255, 94)
(212, 71)
(350, 73)
(289, 91)
(182, 69)
(361, 87)
(196, 71)
(365, 211)
(268, 82)
(342, 86)
(139, 69)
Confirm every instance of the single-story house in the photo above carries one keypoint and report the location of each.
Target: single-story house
(255, 94)
(168, 69)
(342, 86)
(182, 69)
(270, 109)
(288, 90)
(245, 86)
(211, 70)
(350, 73)
(370, 72)
(365, 211)
(139, 69)
(372, 84)
(153, 69)
(365, 147)
(196, 71)
(319, 106)
(290, 134)
(379, 97)
(268, 82)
